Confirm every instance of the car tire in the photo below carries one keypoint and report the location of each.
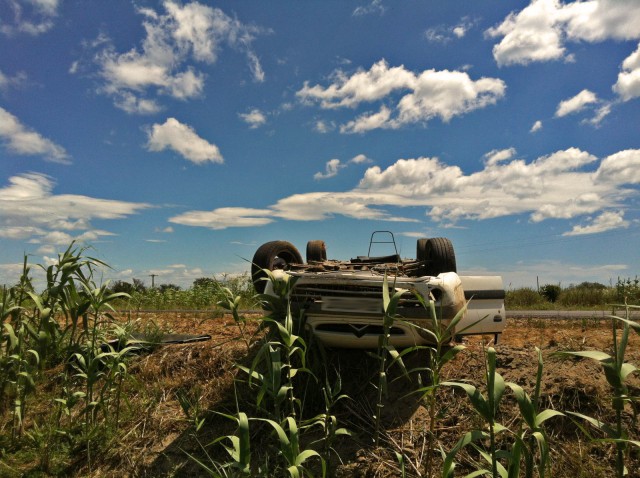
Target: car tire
(437, 254)
(421, 256)
(272, 255)
(316, 251)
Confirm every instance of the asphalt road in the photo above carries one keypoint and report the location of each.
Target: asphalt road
(568, 314)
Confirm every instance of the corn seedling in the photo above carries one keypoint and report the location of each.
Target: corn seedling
(239, 449)
(527, 440)
(487, 407)
(289, 447)
(190, 402)
(328, 422)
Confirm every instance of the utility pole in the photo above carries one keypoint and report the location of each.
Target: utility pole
(153, 282)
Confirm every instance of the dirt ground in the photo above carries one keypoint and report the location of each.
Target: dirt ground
(160, 436)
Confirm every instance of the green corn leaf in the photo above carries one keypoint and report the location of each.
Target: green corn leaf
(451, 353)
(35, 354)
(495, 382)
(305, 455)
(385, 293)
(294, 472)
(448, 463)
(449, 330)
(603, 427)
(627, 369)
(13, 339)
(477, 400)
(527, 409)
(632, 324)
(281, 396)
(477, 473)
(396, 358)
(29, 379)
(545, 415)
(245, 442)
(592, 354)
(37, 300)
(514, 459)
(282, 435)
(543, 448)
(502, 471)
(499, 428)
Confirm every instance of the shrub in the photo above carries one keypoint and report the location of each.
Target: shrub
(550, 292)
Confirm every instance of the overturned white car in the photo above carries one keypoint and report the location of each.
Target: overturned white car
(342, 300)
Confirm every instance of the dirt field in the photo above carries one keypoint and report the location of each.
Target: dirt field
(159, 435)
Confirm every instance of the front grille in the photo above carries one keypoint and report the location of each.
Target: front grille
(358, 330)
(308, 293)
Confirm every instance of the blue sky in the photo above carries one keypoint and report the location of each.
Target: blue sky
(175, 137)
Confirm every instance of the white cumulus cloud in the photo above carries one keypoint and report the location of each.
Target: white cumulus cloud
(628, 84)
(539, 31)
(22, 140)
(576, 103)
(606, 221)
(333, 166)
(190, 32)
(537, 126)
(182, 139)
(418, 97)
(254, 118)
(331, 169)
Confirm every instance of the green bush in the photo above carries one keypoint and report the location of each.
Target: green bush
(550, 292)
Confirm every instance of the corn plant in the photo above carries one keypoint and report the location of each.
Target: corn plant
(19, 369)
(289, 447)
(328, 422)
(525, 441)
(616, 372)
(440, 352)
(387, 355)
(281, 357)
(61, 296)
(238, 449)
(232, 302)
(487, 407)
(534, 436)
(19, 361)
(190, 402)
